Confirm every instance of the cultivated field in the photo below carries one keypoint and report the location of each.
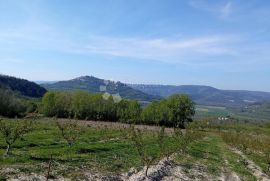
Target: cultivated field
(115, 151)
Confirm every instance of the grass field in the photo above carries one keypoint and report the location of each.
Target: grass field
(108, 151)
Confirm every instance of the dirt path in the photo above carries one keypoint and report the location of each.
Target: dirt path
(256, 170)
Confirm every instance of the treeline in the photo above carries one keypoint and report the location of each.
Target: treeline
(174, 111)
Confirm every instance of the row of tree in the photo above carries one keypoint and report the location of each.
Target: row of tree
(174, 111)
(84, 105)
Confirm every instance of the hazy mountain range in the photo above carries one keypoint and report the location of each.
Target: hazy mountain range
(203, 95)
(206, 95)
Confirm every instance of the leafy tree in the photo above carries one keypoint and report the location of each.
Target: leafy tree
(48, 104)
(156, 113)
(12, 131)
(129, 111)
(63, 102)
(181, 110)
(82, 105)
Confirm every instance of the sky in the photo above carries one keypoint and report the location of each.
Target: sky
(220, 43)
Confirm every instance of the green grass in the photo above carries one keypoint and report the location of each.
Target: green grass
(98, 149)
(110, 151)
(212, 153)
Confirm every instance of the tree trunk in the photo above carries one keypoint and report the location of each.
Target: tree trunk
(49, 169)
(7, 150)
(146, 171)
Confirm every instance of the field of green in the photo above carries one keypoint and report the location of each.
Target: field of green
(256, 112)
(109, 151)
(212, 111)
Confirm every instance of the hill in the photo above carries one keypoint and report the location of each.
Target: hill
(22, 86)
(206, 95)
(95, 85)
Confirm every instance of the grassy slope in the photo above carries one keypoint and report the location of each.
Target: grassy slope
(213, 153)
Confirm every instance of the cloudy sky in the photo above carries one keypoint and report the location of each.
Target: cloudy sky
(225, 44)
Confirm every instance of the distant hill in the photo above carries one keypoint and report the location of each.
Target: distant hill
(206, 95)
(95, 85)
(22, 86)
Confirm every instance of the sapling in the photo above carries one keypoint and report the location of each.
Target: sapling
(70, 131)
(267, 155)
(12, 131)
(49, 168)
(183, 139)
(165, 150)
(137, 139)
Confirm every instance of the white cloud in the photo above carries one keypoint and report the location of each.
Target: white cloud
(173, 50)
(162, 49)
(227, 9)
(217, 7)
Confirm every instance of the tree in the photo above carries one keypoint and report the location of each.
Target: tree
(181, 110)
(156, 113)
(82, 105)
(147, 158)
(63, 102)
(129, 111)
(48, 104)
(11, 132)
(70, 131)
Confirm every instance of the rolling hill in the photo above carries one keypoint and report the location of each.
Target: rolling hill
(21, 86)
(206, 95)
(95, 85)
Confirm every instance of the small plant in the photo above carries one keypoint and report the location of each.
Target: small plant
(12, 131)
(70, 131)
(180, 139)
(48, 175)
(185, 138)
(165, 150)
(137, 138)
(267, 157)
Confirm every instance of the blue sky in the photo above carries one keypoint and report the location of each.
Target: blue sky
(225, 44)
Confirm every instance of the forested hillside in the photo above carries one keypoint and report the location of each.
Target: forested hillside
(22, 86)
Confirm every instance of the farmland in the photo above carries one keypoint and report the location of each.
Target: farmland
(212, 151)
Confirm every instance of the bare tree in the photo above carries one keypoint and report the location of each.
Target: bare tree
(136, 137)
(49, 168)
(12, 131)
(70, 131)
